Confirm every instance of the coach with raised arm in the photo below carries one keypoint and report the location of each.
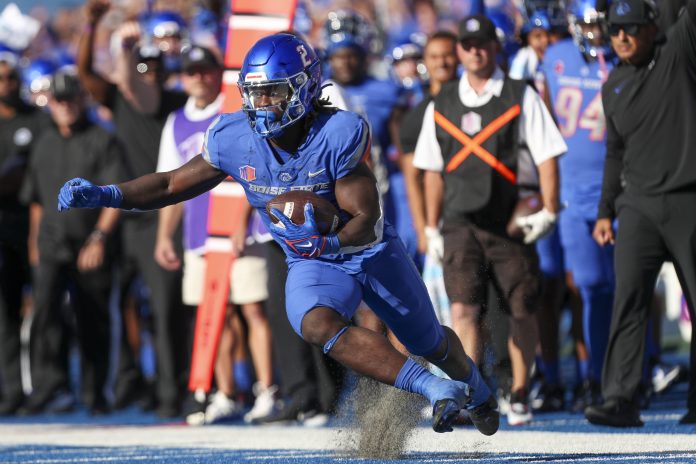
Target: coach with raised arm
(650, 186)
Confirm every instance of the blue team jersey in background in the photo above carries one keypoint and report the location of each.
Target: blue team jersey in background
(336, 143)
(575, 89)
(375, 99)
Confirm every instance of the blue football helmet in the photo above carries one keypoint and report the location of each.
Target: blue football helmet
(584, 13)
(346, 28)
(162, 24)
(537, 20)
(280, 81)
(554, 10)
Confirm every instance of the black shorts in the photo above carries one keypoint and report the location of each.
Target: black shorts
(473, 256)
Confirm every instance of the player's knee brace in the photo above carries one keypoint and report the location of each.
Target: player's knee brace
(332, 341)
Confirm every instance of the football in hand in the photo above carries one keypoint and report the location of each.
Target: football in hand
(292, 205)
(526, 205)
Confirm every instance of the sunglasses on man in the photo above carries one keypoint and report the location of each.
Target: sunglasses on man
(629, 29)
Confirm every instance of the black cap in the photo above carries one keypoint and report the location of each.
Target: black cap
(199, 56)
(632, 12)
(478, 27)
(65, 86)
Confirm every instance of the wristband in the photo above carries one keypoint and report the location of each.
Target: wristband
(110, 196)
(97, 235)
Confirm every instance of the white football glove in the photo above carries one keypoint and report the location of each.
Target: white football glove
(436, 246)
(536, 225)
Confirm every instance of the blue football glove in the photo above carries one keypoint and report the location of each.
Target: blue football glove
(81, 193)
(305, 240)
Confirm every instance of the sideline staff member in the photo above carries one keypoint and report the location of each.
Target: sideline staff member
(650, 185)
(468, 147)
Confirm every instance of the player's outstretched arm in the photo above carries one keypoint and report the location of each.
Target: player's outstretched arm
(357, 194)
(151, 191)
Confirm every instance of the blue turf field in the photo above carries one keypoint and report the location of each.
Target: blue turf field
(133, 436)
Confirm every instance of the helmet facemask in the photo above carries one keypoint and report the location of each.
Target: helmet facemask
(273, 105)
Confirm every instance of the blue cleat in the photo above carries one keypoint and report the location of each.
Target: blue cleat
(454, 396)
(485, 416)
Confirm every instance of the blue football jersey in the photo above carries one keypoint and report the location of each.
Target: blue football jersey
(336, 143)
(575, 89)
(375, 99)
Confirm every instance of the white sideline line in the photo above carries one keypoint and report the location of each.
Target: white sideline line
(299, 438)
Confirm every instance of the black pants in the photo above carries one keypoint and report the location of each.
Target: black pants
(138, 245)
(13, 276)
(651, 230)
(89, 296)
(306, 375)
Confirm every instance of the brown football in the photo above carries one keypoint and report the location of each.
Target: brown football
(292, 205)
(526, 205)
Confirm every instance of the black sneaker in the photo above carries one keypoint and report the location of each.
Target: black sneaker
(549, 398)
(587, 393)
(614, 413)
(485, 416)
(56, 402)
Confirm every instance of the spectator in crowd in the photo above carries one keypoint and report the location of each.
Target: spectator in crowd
(649, 178)
(535, 35)
(407, 68)
(20, 127)
(440, 60)
(349, 39)
(70, 252)
(468, 148)
(140, 107)
(182, 138)
(526, 64)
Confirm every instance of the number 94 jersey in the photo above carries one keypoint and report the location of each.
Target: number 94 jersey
(575, 90)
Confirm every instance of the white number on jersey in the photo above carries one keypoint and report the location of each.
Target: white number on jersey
(567, 108)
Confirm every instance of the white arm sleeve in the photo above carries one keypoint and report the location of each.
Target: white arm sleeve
(538, 129)
(428, 155)
(168, 158)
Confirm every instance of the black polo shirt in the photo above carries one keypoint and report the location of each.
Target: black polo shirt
(412, 123)
(90, 153)
(140, 133)
(17, 136)
(651, 120)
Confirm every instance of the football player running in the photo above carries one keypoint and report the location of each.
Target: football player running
(284, 139)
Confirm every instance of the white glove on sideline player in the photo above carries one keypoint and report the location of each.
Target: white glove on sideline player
(536, 225)
(436, 246)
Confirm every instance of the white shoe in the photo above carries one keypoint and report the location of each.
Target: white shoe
(313, 419)
(519, 413)
(221, 408)
(264, 404)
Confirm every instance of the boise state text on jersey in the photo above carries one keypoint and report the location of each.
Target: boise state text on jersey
(336, 143)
